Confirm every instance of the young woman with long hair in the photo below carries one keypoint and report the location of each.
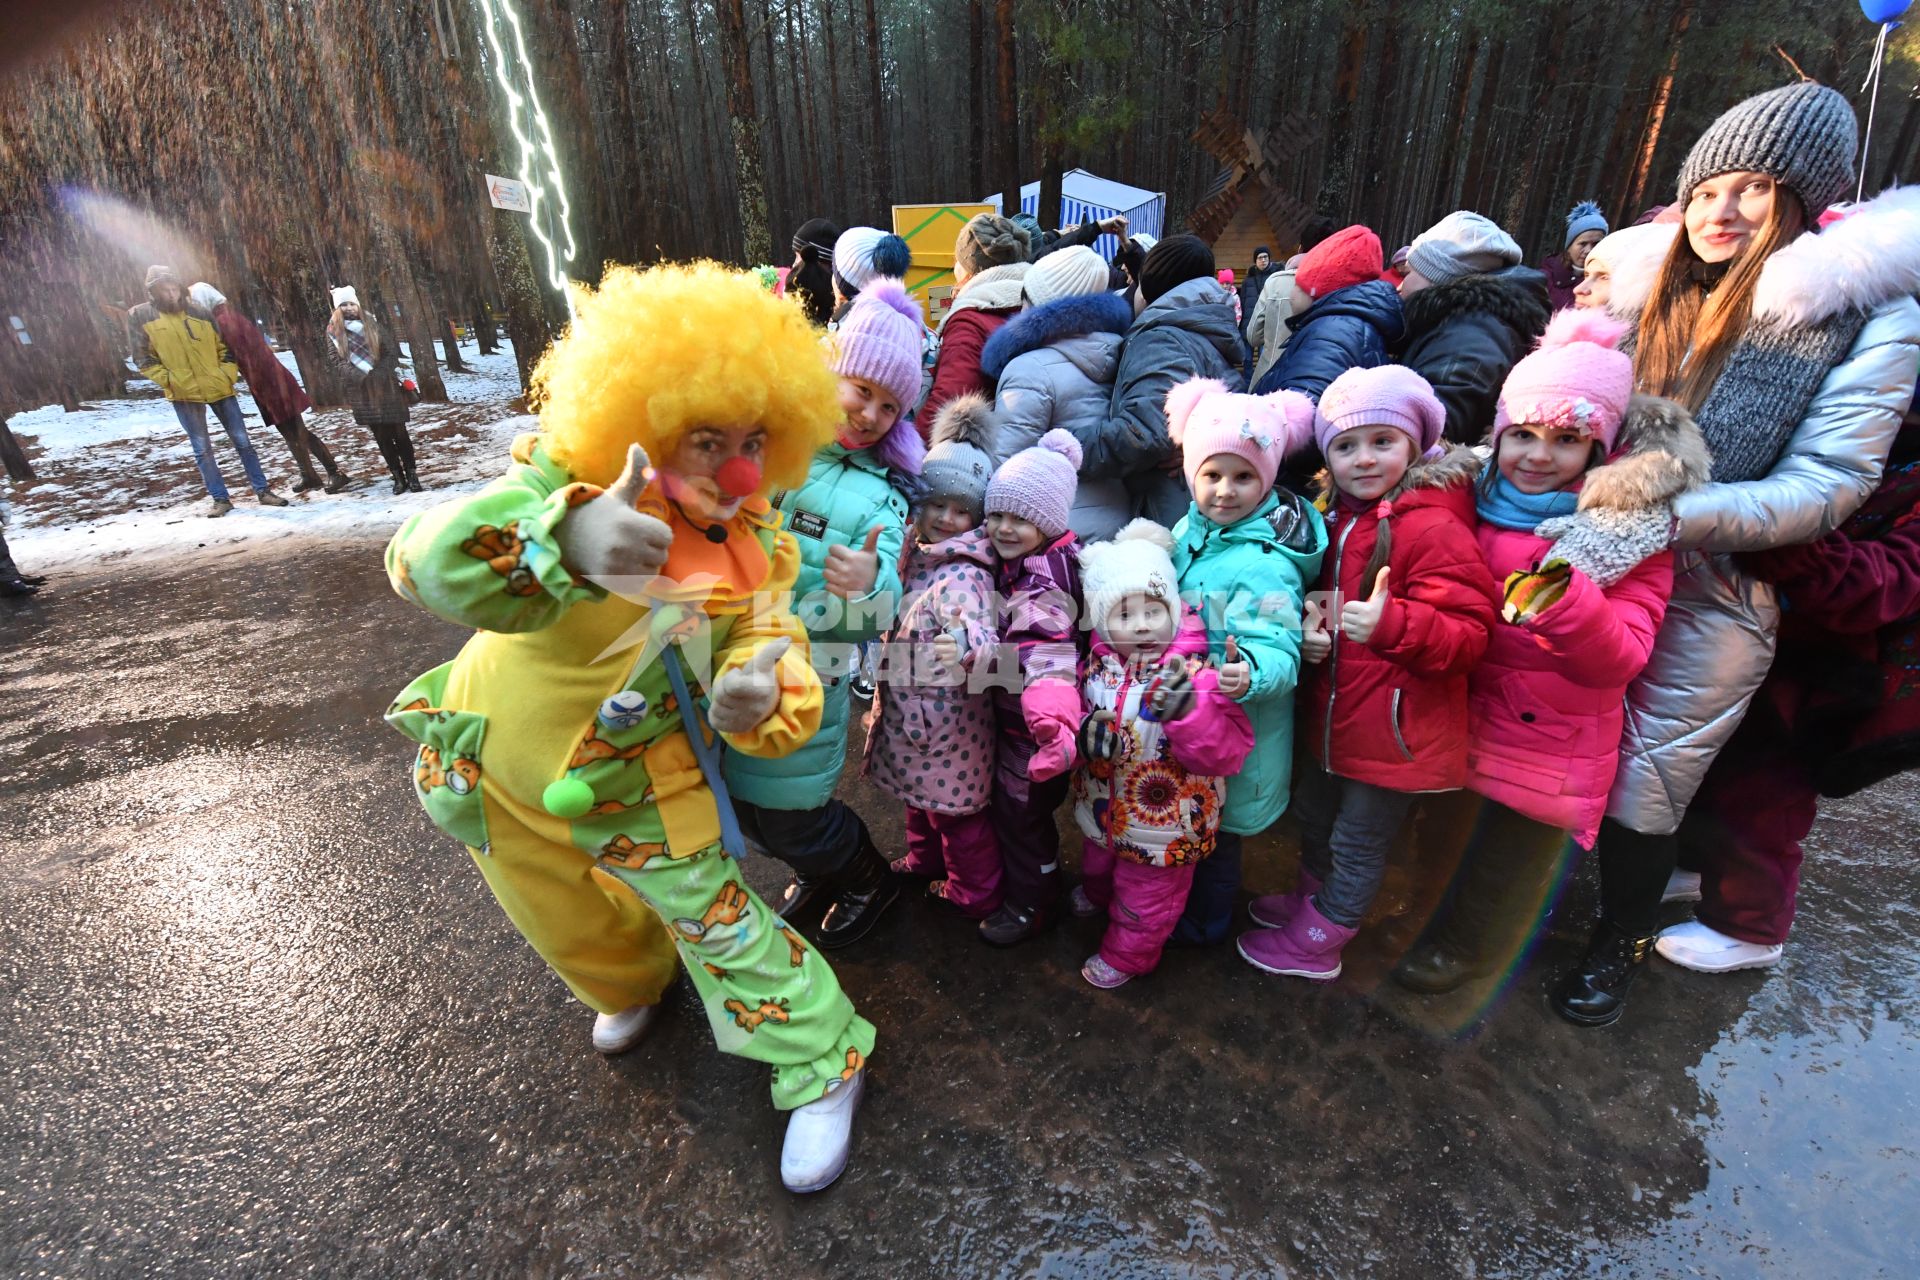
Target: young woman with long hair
(1796, 352)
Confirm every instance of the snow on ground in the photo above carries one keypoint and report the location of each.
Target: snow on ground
(117, 479)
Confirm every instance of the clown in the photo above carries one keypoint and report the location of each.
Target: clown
(624, 576)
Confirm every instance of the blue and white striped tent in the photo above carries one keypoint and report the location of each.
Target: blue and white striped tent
(1087, 197)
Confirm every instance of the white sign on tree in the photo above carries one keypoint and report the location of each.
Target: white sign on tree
(509, 193)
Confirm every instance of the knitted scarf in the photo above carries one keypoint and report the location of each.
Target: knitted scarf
(1765, 388)
(1502, 505)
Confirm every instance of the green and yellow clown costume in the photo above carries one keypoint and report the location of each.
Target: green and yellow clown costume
(555, 746)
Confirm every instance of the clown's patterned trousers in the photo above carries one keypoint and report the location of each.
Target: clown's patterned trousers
(768, 994)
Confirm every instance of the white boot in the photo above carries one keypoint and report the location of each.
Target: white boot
(1682, 886)
(618, 1032)
(1706, 950)
(818, 1135)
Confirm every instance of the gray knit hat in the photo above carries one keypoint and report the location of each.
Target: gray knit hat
(1804, 136)
(960, 463)
(1461, 244)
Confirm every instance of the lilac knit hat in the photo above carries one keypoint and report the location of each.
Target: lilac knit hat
(1038, 484)
(1206, 419)
(881, 339)
(1577, 380)
(1388, 395)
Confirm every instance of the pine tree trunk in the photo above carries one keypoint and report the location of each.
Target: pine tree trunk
(744, 121)
(976, 99)
(883, 141)
(1007, 144)
(1657, 106)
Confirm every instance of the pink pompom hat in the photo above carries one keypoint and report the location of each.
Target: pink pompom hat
(1577, 380)
(1205, 419)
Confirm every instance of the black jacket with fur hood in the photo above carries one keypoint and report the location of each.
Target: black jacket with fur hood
(1464, 337)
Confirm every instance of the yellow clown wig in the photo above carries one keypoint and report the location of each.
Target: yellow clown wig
(652, 354)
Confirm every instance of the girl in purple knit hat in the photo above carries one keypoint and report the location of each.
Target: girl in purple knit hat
(1035, 676)
(849, 520)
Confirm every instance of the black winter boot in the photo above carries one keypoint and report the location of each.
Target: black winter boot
(1595, 991)
(802, 895)
(862, 891)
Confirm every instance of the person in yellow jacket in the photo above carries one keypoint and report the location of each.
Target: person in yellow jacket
(630, 585)
(177, 347)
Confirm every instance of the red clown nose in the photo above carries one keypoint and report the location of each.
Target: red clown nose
(738, 477)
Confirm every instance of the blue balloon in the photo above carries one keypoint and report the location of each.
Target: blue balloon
(1884, 10)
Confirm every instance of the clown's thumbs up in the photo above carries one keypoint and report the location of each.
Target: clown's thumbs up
(849, 573)
(746, 695)
(634, 479)
(1359, 618)
(605, 537)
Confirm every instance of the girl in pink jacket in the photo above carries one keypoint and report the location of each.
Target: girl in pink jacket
(1574, 519)
(930, 738)
(1156, 747)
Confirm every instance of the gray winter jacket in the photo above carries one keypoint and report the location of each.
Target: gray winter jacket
(1718, 638)
(1053, 367)
(1187, 332)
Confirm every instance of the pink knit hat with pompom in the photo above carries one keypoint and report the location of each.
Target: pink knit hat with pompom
(1578, 379)
(1038, 484)
(1205, 419)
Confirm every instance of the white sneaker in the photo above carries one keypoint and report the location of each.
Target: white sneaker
(818, 1135)
(1706, 950)
(618, 1032)
(1682, 886)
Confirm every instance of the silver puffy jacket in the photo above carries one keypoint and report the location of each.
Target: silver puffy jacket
(1717, 642)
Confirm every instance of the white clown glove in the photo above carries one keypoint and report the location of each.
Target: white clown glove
(743, 697)
(605, 537)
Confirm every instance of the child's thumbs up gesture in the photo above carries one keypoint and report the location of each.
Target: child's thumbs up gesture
(1315, 641)
(851, 573)
(741, 698)
(605, 536)
(1359, 618)
(1236, 677)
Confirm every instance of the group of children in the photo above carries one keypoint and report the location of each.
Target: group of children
(1442, 621)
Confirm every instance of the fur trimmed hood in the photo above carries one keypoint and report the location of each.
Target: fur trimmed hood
(1867, 259)
(1516, 296)
(1045, 325)
(1662, 455)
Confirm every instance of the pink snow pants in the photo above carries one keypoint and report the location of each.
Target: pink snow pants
(1142, 904)
(963, 847)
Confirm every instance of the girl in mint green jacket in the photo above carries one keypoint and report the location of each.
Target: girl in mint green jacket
(1245, 554)
(849, 520)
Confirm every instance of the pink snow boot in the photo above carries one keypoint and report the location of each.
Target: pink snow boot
(1309, 946)
(1274, 909)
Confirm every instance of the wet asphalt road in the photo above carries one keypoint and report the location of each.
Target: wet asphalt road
(258, 1018)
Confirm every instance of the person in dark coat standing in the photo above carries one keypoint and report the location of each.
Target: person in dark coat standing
(1262, 270)
(1471, 312)
(276, 392)
(1344, 317)
(364, 353)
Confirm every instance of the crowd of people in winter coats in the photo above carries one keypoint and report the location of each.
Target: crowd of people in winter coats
(1373, 534)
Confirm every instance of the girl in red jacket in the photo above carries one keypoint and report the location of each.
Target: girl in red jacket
(1545, 704)
(1408, 608)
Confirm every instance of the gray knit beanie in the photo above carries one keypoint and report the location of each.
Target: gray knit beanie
(989, 240)
(1461, 244)
(1804, 136)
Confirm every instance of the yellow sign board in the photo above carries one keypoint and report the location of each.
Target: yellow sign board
(930, 230)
